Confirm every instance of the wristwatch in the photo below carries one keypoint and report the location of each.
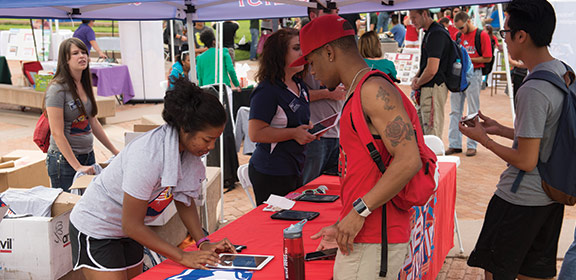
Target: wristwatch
(361, 208)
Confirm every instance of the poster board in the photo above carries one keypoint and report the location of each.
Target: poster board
(407, 65)
(20, 44)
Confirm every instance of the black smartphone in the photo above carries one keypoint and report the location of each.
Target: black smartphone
(239, 248)
(321, 255)
(294, 215)
(318, 197)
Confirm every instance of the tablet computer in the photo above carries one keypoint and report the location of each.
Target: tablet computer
(325, 124)
(318, 197)
(294, 215)
(239, 261)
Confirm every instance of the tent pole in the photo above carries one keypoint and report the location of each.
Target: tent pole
(191, 49)
(34, 37)
(171, 23)
(221, 95)
(507, 64)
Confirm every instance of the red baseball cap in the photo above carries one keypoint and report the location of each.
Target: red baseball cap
(319, 32)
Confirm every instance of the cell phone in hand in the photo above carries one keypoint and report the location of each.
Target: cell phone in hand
(321, 255)
(469, 120)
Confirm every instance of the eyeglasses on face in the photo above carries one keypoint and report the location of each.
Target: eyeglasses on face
(503, 32)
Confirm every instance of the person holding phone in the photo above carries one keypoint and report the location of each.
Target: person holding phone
(71, 110)
(279, 118)
(107, 225)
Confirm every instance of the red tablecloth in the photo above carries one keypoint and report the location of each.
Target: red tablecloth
(263, 235)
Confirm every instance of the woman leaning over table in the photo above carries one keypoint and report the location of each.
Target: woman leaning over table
(107, 225)
(279, 118)
(71, 110)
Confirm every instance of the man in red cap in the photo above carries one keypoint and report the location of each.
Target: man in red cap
(329, 46)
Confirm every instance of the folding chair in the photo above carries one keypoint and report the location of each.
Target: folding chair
(29, 69)
(437, 146)
(245, 182)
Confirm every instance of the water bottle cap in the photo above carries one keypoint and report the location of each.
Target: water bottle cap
(295, 230)
(458, 60)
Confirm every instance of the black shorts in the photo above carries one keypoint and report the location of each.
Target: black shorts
(518, 240)
(104, 254)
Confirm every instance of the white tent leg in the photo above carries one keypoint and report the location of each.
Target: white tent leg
(507, 64)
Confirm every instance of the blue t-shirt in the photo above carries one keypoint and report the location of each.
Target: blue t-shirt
(86, 34)
(177, 72)
(399, 32)
(276, 105)
(495, 19)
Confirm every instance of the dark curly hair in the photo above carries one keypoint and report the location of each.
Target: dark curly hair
(273, 58)
(192, 109)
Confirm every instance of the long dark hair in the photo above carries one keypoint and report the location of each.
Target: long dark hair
(192, 109)
(273, 58)
(64, 77)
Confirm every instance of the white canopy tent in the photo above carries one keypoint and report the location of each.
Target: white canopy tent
(212, 10)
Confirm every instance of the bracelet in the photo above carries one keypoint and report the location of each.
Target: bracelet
(202, 240)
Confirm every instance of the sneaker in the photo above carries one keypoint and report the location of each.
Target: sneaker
(452, 151)
(470, 152)
(253, 59)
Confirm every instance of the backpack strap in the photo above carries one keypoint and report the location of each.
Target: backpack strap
(359, 122)
(560, 84)
(478, 41)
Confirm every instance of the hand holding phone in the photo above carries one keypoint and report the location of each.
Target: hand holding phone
(327, 254)
(469, 120)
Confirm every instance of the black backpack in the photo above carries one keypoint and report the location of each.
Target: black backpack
(559, 172)
(487, 69)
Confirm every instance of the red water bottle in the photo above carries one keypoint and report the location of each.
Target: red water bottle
(294, 252)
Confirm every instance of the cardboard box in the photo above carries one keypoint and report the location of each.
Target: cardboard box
(38, 247)
(29, 170)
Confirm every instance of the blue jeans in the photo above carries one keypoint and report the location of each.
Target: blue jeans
(457, 106)
(60, 172)
(254, 44)
(382, 22)
(321, 156)
(568, 270)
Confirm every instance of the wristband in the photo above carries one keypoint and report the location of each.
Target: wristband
(202, 240)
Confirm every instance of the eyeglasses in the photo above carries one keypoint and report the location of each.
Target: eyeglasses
(320, 190)
(503, 32)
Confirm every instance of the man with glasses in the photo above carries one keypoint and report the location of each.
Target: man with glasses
(519, 237)
(467, 37)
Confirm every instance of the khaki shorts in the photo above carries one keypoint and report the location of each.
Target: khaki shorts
(364, 262)
(431, 112)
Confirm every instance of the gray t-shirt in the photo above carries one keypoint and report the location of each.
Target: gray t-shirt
(149, 168)
(76, 127)
(323, 108)
(538, 109)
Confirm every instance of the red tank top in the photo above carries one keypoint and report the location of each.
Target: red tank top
(359, 174)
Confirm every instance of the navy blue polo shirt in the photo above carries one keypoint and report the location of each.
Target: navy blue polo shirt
(276, 105)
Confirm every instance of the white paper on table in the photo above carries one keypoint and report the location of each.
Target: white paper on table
(279, 202)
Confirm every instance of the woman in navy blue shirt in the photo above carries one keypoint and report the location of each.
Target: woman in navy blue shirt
(279, 118)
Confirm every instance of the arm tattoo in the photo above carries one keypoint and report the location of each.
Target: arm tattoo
(398, 130)
(385, 96)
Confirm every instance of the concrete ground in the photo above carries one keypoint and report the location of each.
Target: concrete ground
(476, 179)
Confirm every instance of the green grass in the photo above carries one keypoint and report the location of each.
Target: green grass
(244, 30)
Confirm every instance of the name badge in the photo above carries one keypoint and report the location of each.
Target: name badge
(294, 105)
(72, 105)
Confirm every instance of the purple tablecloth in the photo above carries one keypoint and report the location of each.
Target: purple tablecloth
(113, 80)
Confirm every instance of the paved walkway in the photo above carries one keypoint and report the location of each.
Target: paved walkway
(476, 180)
